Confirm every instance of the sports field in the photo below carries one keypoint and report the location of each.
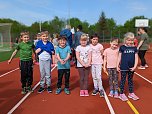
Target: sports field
(12, 101)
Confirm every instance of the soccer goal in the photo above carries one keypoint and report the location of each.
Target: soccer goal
(5, 36)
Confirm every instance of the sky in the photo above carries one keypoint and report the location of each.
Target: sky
(30, 11)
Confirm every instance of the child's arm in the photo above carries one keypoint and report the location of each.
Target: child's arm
(12, 56)
(78, 58)
(37, 50)
(140, 43)
(58, 57)
(68, 57)
(136, 62)
(104, 63)
(118, 62)
(89, 61)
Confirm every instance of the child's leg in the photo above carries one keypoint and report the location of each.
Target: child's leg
(122, 82)
(23, 73)
(47, 67)
(82, 74)
(86, 75)
(30, 73)
(95, 82)
(130, 81)
(60, 76)
(99, 76)
(110, 79)
(67, 76)
(115, 79)
(42, 72)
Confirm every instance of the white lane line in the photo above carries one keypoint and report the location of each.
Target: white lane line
(108, 103)
(8, 72)
(143, 78)
(23, 99)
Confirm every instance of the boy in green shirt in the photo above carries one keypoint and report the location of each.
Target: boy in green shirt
(26, 62)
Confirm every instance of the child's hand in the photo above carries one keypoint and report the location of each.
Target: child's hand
(38, 50)
(132, 69)
(118, 69)
(62, 61)
(9, 61)
(52, 65)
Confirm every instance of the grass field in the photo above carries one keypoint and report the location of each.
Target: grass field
(5, 55)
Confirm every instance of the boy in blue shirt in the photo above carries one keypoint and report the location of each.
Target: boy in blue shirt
(63, 55)
(44, 49)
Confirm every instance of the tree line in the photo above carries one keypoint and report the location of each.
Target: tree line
(105, 27)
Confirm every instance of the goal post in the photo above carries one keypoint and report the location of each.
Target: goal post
(5, 36)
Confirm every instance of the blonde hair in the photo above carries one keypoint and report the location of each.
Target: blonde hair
(84, 37)
(129, 35)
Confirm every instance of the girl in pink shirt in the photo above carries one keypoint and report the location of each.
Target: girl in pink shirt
(97, 61)
(110, 62)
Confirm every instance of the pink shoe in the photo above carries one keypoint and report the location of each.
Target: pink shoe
(133, 96)
(86, 93)
(116, 96)
(123, 97)
(81, 93)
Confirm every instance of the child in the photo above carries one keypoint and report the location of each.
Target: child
(63, 55)
(110, 61)
(83, 55)
(26, 62)
(38, 37)
(44, 49)
(97, 61)
(126, 64)
(142, 47)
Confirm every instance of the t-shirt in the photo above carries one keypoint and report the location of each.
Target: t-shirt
(127, 57)
(96, 54)
(145, 44)
(25, 50)
(63, 54)
(112, 56)
(84, 54)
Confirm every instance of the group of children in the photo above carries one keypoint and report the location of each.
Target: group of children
(89, 57)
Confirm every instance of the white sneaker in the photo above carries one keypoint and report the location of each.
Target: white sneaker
(141, 67)
(146, 66)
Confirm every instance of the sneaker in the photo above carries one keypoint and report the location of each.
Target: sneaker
(23, 90)
(111, 93)
(101, 93)
(41, 90)
(133, 96)
(86, 93)
(146, 66)
(67, 91)
(81, 93)
(29, 89)
(116, 95)
(95, 92)
(141, 67)
(58, 91)
(123, 97)
(49, 90)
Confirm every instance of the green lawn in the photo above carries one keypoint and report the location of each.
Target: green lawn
(5, 55)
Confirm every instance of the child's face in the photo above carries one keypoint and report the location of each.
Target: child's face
(44, 37)
(62, 42)
(83, 42)
(94, 40)
(25, 38)
(114, 45)
(129, 42)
